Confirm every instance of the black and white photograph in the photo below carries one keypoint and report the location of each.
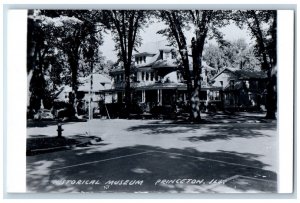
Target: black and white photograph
(152, 101)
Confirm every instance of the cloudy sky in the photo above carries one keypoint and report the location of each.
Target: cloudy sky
(149, 36)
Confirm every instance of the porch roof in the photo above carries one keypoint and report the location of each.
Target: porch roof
(178, 86)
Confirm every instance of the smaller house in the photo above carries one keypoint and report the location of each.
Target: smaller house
(241, 88)
(62, 95)
(95, 86)
(93, 90)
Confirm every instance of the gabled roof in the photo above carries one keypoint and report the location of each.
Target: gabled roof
(59, 95)
(100, 83)
(246, 74)
(144, 54)
(243, 74)
(236, 86)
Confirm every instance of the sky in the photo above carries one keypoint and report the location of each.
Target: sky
(149, 35)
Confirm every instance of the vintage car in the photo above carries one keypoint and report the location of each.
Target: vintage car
(43, 114)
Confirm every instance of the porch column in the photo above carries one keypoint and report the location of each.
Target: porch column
(208, 94)
(160, 97)
(143, 96)
(207, 100)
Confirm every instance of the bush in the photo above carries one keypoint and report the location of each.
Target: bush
(165, 111)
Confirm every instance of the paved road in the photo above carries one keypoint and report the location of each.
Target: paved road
(158, 156)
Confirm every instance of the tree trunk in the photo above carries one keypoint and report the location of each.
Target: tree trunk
(195, 100)
(127, 90)
(189, 85)
(74, 83)
(271, 99)
(272, 78)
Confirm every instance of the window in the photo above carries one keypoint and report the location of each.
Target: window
(147, 76)
(143, 76)
(144, 59)
(152, 76)
(221, 83)
(137, 60)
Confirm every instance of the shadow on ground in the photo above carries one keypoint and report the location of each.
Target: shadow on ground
(148, 167)
(39, 144)
(224, 131)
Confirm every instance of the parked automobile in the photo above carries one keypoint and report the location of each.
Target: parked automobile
(43, 114)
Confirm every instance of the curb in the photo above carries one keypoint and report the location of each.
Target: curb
(31, 152)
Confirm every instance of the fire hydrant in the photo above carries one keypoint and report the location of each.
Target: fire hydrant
(59, 130)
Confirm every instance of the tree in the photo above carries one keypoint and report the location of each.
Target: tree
(177, 21)
(39, 54)
(263, 27)
(238, 54)
(206, 24)
(76, 34)
(125, 26)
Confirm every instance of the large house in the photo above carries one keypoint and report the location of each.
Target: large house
(157, 80)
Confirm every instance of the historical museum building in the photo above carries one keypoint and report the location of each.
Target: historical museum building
(157, 80)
